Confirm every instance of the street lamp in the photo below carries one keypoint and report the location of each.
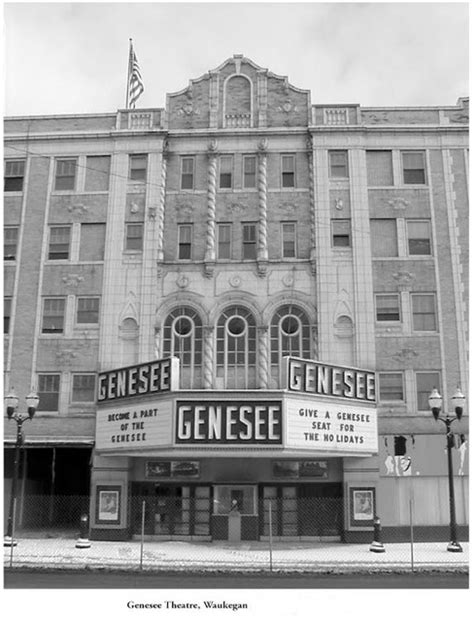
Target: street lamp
(11, 403)
(435, 401)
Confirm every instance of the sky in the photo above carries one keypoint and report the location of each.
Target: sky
(71, 58)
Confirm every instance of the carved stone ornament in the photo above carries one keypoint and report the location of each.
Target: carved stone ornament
(212, 147)
(134, 207)
(398, 203)
(182, 281)
(72, 280)
(65, 356)
(288, 207)
(404, 279)
(406, 355)
(152, 212)
(187, 109)
(339, 203)
(236, 207)
(288, 280)
(77, 208)
(263, 145)
(287, 107)
(184, 209)
(235, 281)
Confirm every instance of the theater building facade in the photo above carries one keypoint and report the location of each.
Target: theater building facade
(234, 310)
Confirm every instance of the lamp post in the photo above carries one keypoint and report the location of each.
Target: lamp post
(11, 403)
(435, 401)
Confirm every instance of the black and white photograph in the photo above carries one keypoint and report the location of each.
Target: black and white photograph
(236, 308)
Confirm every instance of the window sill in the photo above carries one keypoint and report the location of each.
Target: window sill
(13, 193)
(415, 186)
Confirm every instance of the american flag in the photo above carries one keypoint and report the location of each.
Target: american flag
(135, 82)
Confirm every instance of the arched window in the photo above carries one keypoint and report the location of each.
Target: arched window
(290, 335)
(128, 341)
(238, 102)
(236, 348)
(344, 342)
(182, 337)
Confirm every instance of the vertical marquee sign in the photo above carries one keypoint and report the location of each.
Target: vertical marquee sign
(330, 408)
(127, 415)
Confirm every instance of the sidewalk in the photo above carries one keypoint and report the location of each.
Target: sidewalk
(224, 556)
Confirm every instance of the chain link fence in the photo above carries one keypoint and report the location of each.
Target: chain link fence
(171, 533)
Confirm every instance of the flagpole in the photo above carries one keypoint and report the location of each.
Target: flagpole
(128, 72)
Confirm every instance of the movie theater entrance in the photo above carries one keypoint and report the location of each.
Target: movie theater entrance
(171, 511)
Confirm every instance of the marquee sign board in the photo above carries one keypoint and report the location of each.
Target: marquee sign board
(323, 425)
(156, 377)
(327, 380)
(228, 422)
(134, 426)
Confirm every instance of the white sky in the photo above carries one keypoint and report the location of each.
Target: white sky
(72, 57)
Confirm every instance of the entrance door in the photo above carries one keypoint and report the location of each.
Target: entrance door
(279, 505)
(171, 510)
(320, 509)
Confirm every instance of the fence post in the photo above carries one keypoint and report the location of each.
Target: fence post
(83, 540)
(142, 535)
(271, 532)
(411, 535)
(13, 533)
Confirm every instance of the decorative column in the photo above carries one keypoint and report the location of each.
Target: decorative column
(210, 256)
(161, 202)
(262, 356)
(314, 341)
(262, 247)
(208, 359)
(312, 206)
(158, 342)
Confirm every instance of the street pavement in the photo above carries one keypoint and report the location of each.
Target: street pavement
(194, 556)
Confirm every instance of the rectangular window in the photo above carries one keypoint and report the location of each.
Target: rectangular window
(14, 175)
(97, 173)
(413, 167)
(66, 174)
(249, 241)
(134, 237)
(425, 382)
(288, 236)
(223, 241)
(137, 168)
(250, 171)
(59, 237)
(10, 242)
(7, 309)
(238, 498)
(53, 315)
(341, 233)
(87, 310)
(387, 307)
(338, 165)
(379, 168)
(187, 173)
(383, 236)
(83, 388)
(419, 237)
(391, 387)
(92, 243)
(288, 171)
(48, 392)
(424, 312)
(225, 171)
(185, 233)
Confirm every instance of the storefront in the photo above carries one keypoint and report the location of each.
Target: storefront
(205, 464)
